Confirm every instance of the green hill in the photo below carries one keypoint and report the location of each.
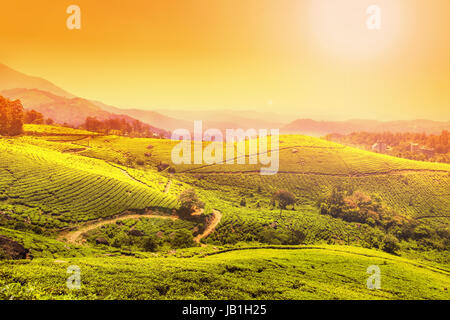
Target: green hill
(54, 189)
(51, 182)
(321, 272)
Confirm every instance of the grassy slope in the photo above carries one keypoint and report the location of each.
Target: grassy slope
(330, 272)
(68, 188)
(55, 130)
(418, 189)
(34, 172)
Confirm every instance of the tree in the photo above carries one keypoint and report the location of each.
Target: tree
(4, 116)
(34, 117)
(390, 244)
(189, 202)
(150, 244)
(183, 239)
(49, 121)
(11, 117)
(16, 122)
(92, 124)
(283, 198)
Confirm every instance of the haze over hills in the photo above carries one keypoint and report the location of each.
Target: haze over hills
(147, 116)
(62, 106)
(61, 109)
(223, 119)
(220, 119)
(72, 111)
(11, 79)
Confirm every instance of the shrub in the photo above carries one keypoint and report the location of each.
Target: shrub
(183, 239)
(284, 198)
(373, 238)
(189, 201)
(150, 244)
(162, 167)
(390, 244)
(297, 237)
(172, 170)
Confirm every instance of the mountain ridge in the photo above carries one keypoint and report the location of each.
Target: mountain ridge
(15, 84)
(12, 79)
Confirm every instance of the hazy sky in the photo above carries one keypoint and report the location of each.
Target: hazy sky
(311, 58)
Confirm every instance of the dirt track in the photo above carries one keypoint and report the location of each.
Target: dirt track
(75, 235)
(217, 216)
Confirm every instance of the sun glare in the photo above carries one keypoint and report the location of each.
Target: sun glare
(339, 28)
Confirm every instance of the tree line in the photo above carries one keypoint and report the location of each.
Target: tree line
(119, 126)
(400, 143)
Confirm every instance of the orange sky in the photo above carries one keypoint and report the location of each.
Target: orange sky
(311, 58)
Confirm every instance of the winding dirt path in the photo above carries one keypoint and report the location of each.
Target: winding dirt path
(75, 236)
(217, 216)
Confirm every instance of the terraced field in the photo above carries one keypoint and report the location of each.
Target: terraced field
(57, 181)
(49, 130)
(66, 188)
(320, 272)
(422, 194)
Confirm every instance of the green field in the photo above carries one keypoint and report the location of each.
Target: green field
(57, 181)
(62, 188)
(316, 273)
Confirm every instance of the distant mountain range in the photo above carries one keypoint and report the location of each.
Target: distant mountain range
(73, 111)
(147, 116)
(61, 109)
(11, 79)
(64, 107)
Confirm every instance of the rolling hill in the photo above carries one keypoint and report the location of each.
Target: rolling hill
(318, 272)
(309, 167)
(51, 183)
(55, 189)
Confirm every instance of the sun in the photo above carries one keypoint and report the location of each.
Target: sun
(339, 28)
